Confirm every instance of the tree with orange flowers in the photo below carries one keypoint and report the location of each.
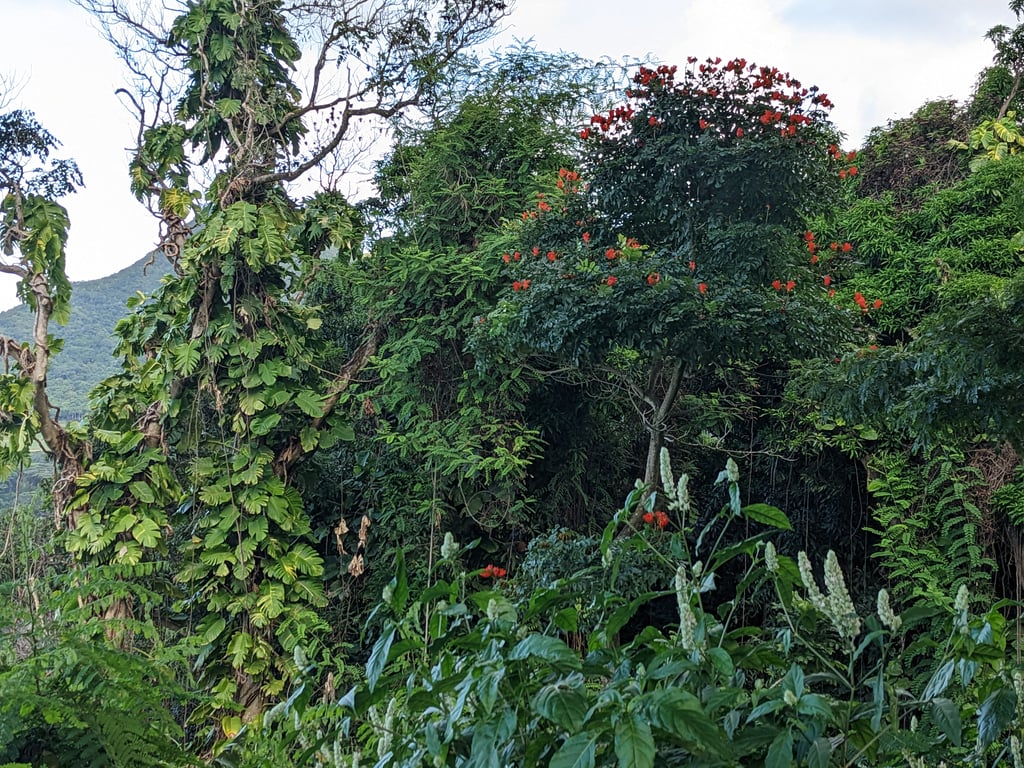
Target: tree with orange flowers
(691, 202)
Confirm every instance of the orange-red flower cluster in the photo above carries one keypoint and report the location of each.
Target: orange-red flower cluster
(703, 288)
(653, 278)
(786, 104)
(611, 280)
(812, 247)
(493, 572)
(835, 153)
(615, 121)
(520, 285)
(789, 285)
(567, 180)
(861, 302)
(657, 518)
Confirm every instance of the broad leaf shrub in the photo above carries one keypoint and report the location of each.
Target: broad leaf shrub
(462, 674)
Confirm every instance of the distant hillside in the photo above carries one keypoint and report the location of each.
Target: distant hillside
(87, 357)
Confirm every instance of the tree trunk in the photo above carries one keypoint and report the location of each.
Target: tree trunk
(656, 435)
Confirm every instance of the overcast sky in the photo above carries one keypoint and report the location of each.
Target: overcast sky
(877, 59)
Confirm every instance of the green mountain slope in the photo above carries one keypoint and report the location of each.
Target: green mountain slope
(96, 305)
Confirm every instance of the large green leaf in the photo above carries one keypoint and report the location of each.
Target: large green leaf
(946, 715)
(550, 649)
(379, 657)
(147, 533)
(819, 753)
(310, 403)
(939, 680)
(766, 514)
(780, 753)
(681, 714)
(634, 743)
(995, 714)
(270, 603)
(579, 751)
(563, 703)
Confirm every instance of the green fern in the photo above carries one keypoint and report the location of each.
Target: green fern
(927, 524)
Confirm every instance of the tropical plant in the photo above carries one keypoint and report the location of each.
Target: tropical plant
(679, 257)
(189, 453)
(465, 673)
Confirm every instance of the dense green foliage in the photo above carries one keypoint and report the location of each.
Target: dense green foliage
(87, 355)
(349, 492)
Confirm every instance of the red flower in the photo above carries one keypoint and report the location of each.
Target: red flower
(853, 170)
(877, 304)
(851, 155)
(660, 518)
(492, 571)
(873, 347)
(585, 133)
(551, 256)
(693, 266)
(516, 285)
(739, 133)
(648, 517)
(833, 246)
(586, 238)
(653, 278)
(610, 253)
(790, 285)
(814, 258)
(702, 287)
(536, 250)
(847, 247)
(861, 302)
(702, 123)
(827, 279)
(506, 258)
(612, 280)
(652, 120)
(777, 285)
(831, 292)
(516, 256)
(842, 174)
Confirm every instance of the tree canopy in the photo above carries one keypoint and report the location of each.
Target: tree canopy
(533, 457)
